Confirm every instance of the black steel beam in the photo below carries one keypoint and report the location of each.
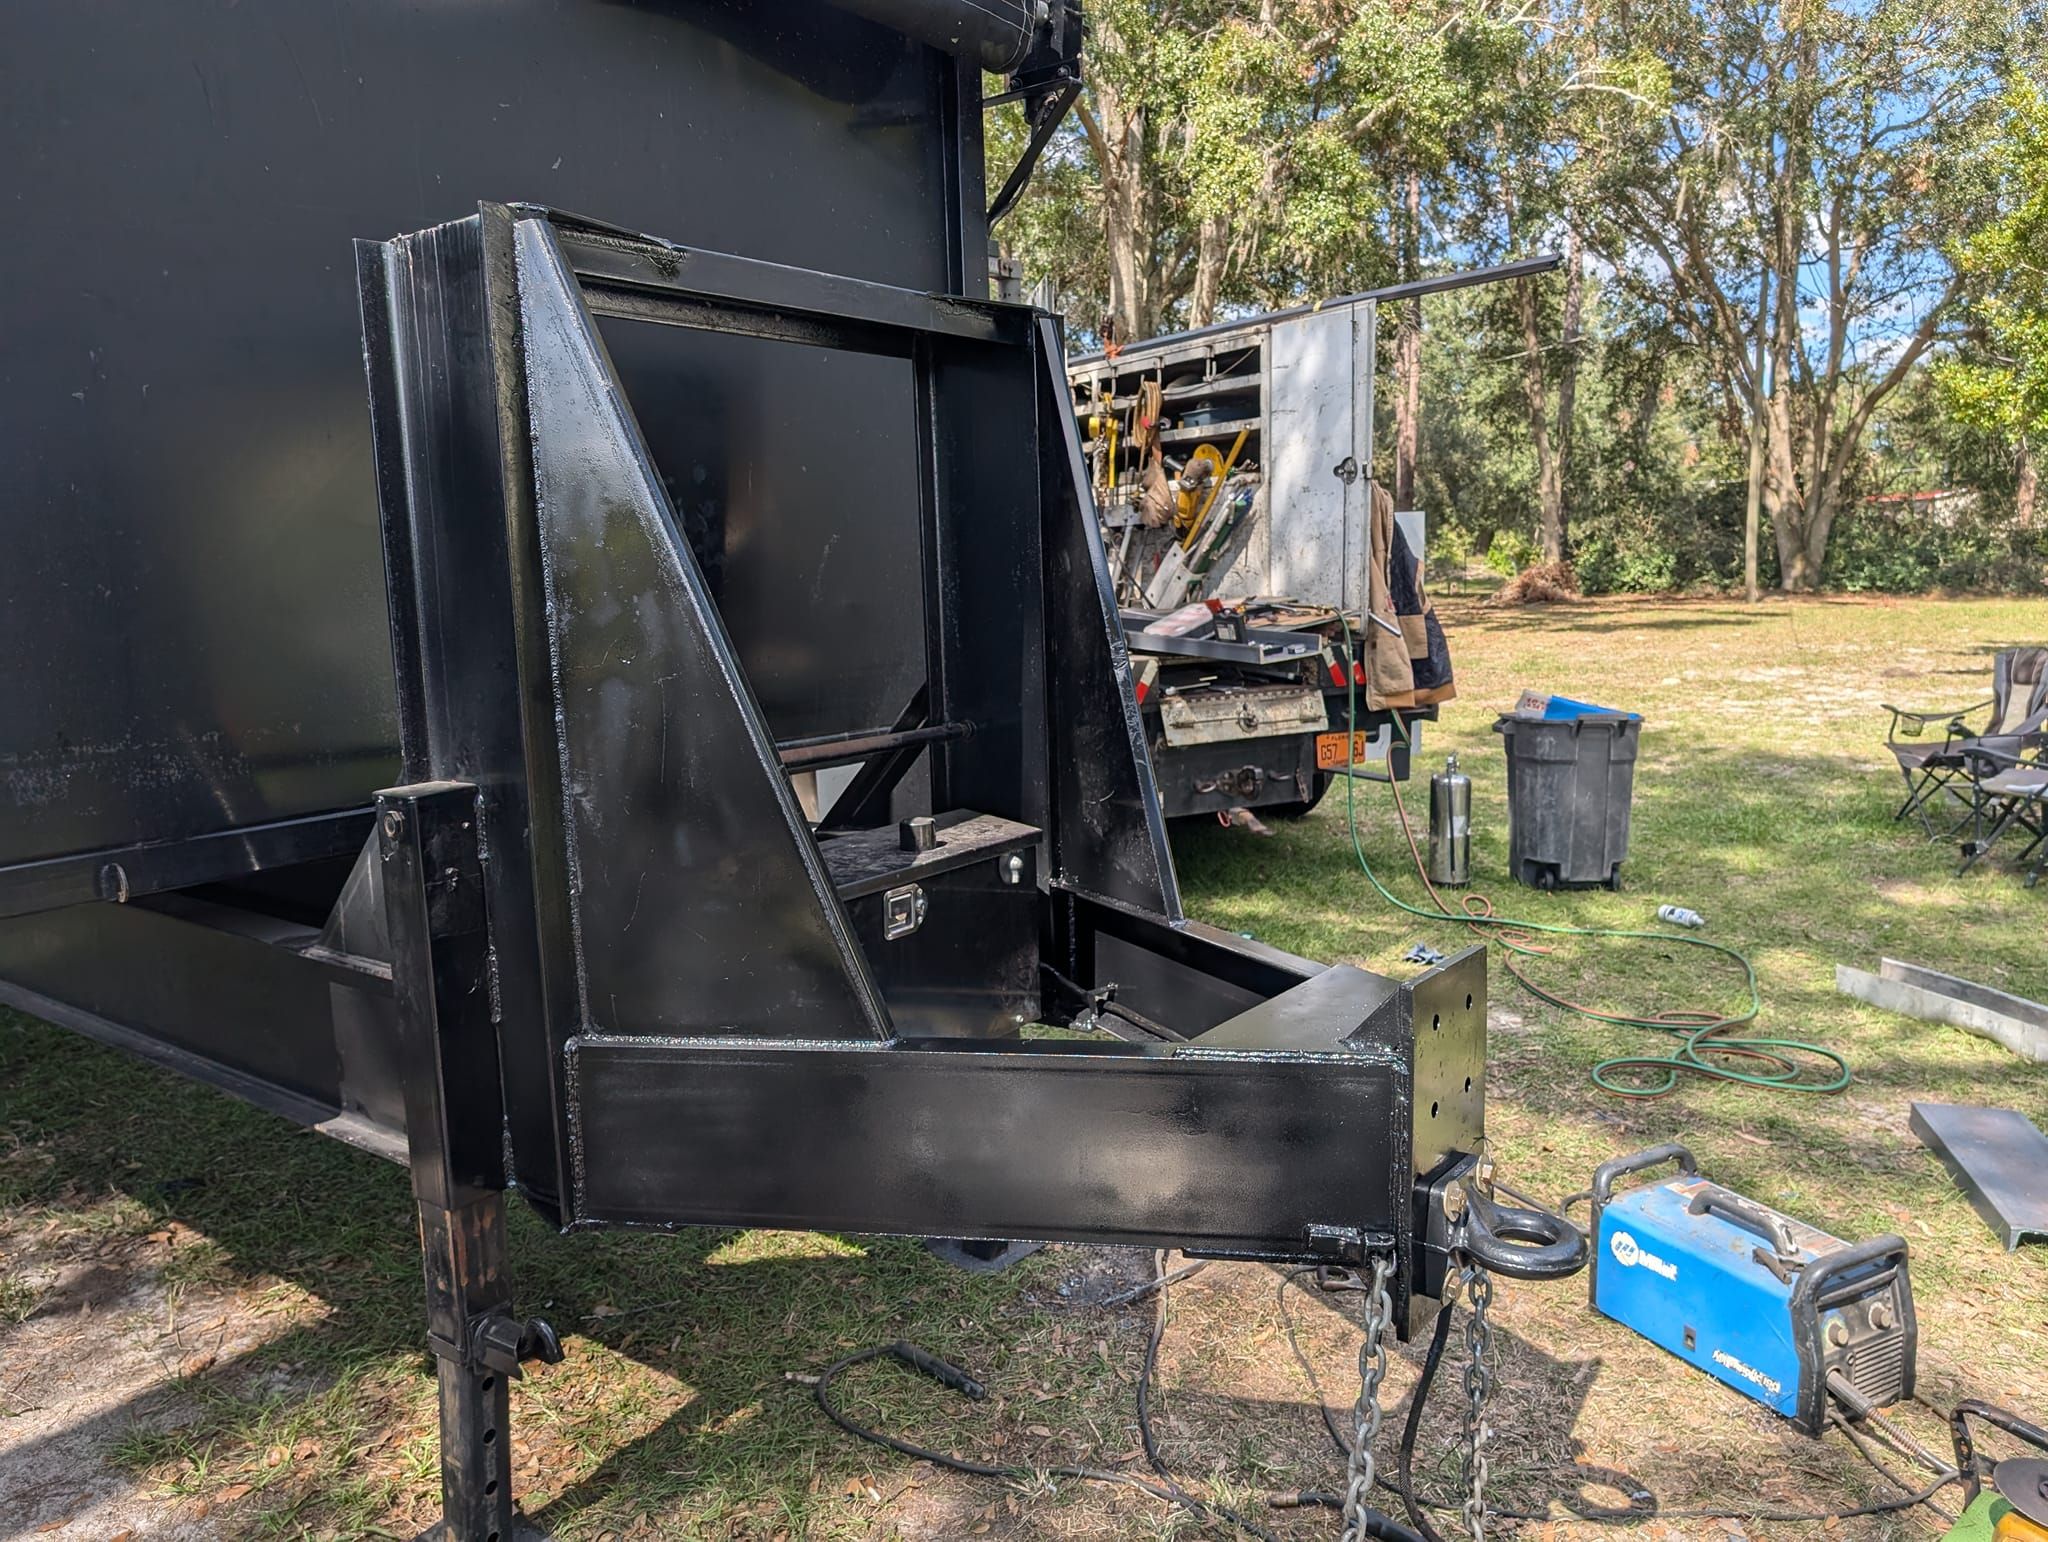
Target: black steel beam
(623, 273)
(1252, 967)
(129, 872)
(850, 749)
(1239, 1153)
(447, 396)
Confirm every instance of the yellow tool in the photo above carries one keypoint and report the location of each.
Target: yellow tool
(1204, 470)
(1215, 487)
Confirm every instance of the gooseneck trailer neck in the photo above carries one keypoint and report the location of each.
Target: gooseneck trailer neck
(586, 942)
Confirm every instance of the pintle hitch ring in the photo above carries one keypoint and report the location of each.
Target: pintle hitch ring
(1511, 1240)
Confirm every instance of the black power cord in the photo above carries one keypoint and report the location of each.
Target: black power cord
(910, 1355)
(1168, 1489)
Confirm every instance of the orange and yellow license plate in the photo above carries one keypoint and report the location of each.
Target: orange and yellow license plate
(1330, 750)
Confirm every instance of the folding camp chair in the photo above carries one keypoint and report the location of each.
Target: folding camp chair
(1933, 770)
(2005, 792)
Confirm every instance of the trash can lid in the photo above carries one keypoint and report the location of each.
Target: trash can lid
(1562, 709)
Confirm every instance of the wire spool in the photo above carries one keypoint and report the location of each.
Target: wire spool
(1203, 470)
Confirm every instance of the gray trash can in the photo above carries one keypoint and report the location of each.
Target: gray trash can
(1570, 781)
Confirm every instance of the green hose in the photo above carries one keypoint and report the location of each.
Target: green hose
(1701, 1034)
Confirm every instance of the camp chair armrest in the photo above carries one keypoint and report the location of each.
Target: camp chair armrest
(1937, 714)
(1912, 722)
(1983, 761)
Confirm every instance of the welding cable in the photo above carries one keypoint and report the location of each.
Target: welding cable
(1863, 1446)
(1150, 1442)
(1708, 1041)
(1911, 1447)
(1575, 1507)
(1103, 1001)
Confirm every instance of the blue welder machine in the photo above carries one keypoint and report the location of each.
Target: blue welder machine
(1779, 1311)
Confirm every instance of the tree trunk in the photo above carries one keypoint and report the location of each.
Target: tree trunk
(1753, 507)
(1129, 240)
(1212, 254)
(1535, 398)
(2027, 493)
(1781, 494)
(1408, 353)
(1116, 135)
(1568, 390)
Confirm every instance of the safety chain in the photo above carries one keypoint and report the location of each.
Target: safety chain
(1478, 1387)
(1372, 1370)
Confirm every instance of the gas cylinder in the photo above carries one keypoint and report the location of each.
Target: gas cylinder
(1450, 826)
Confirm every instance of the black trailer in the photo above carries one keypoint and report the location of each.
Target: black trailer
(424, 773)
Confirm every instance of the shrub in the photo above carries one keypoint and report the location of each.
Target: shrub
(1510, 552)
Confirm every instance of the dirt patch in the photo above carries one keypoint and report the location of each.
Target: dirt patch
(107, 1348)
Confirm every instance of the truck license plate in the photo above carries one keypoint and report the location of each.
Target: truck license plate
(1330, 750)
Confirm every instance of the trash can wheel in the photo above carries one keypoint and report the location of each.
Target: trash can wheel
(1614, 879)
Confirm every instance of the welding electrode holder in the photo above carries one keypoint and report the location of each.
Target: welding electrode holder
(1973, 1466)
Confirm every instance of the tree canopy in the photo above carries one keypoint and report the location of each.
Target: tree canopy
(1793, 207)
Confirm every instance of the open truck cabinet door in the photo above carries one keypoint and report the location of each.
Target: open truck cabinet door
(600, 885)
(1267, 426)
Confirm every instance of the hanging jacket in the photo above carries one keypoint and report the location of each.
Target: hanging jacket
(1407, 661)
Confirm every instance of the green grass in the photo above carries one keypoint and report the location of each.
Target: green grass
(1763, 799)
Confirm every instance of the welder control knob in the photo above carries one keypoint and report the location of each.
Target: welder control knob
(1881, 1316)
(1838, 1332)
(920, 833)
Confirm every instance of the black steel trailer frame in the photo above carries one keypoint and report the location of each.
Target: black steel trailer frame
(550, 620)
(593, 950)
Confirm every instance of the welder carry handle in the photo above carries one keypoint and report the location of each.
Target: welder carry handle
(1521, 1244)
(1858, 1270)
(1712, 1199)
(1656, 1156)
(1968, 1463)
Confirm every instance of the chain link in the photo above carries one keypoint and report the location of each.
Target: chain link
(1478, 1387)
(1372, 1370)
